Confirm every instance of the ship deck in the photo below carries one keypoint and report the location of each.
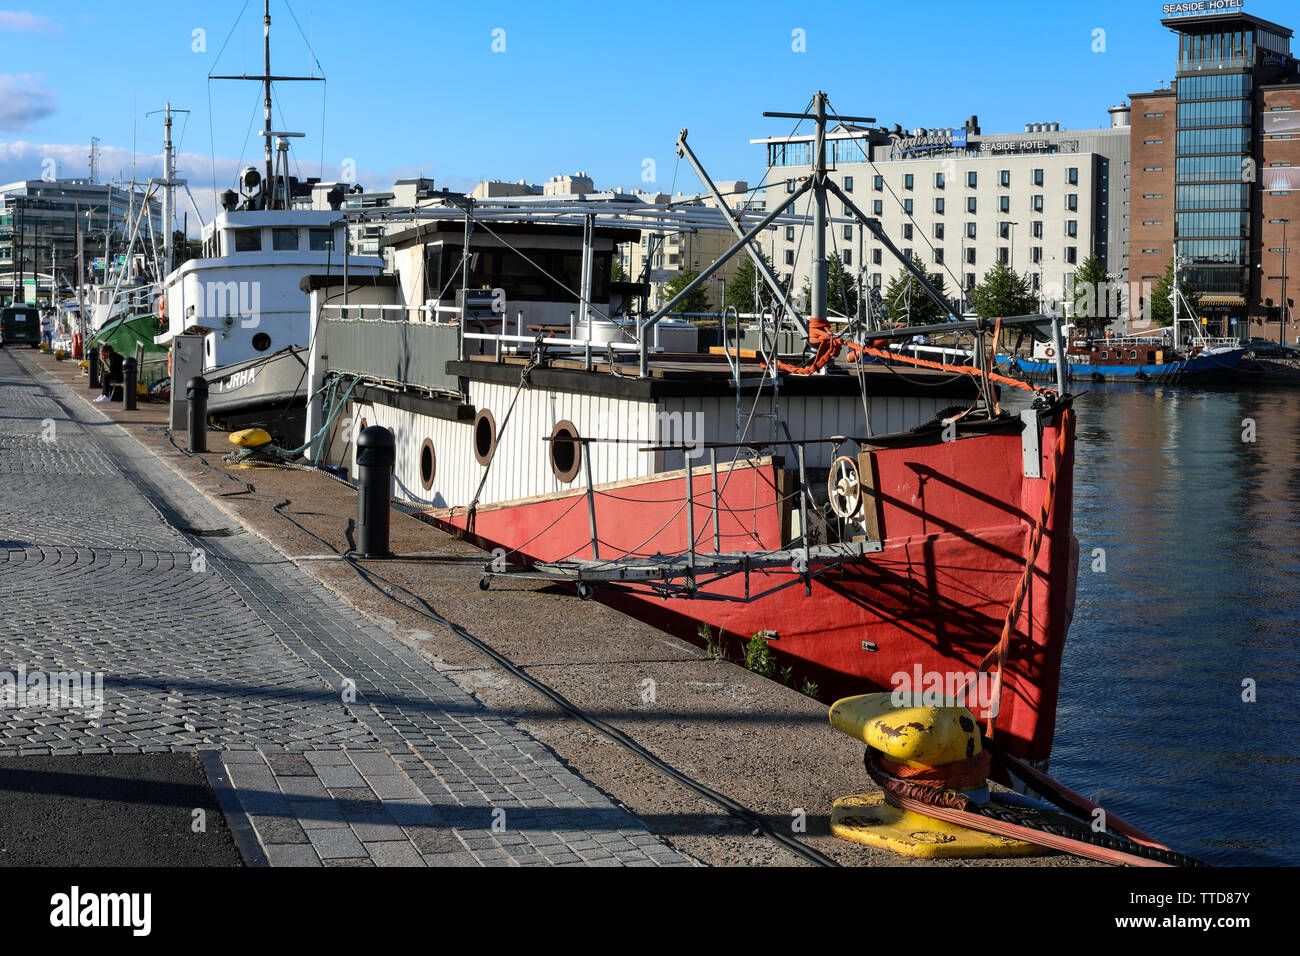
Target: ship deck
(701, 374)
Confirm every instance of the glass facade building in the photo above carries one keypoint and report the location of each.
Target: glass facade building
(1221, 59)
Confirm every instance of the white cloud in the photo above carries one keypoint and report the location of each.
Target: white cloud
(23, 100)
(23, 20)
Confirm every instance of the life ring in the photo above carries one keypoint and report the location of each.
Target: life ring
(162, 306)
(1049, 352)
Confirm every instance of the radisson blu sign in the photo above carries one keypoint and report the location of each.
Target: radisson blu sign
(1201, 6)
(949, 139)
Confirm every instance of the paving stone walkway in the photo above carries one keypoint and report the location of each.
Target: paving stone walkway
(339, 743)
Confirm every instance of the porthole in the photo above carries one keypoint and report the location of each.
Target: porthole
(485, 436)
(261, 341)
(566, 452)
(428, 464)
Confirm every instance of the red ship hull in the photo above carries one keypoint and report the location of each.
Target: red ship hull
(955, 522)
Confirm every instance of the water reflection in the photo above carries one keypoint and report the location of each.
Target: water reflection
(1201, 538)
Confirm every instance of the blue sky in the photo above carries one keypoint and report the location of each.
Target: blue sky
(417, 87)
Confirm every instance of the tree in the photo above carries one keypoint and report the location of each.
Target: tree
(908, 301)
(740, 288)
(1094, 306)
(1003, 293)
(184, 249)
(1162, 310)
(841, 288)
(697, 301)
(616, 272)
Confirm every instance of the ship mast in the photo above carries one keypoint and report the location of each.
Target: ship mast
(169, 182)
(268, 133)
(266, 105)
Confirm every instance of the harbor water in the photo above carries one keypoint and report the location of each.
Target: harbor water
(1187, 511)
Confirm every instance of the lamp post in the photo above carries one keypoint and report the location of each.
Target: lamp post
(1282, 329)
(1012, 258)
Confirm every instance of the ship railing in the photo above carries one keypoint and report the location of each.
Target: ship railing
(1212, 341)
(690, 571)
(506, 341)
(374, 310)
(698, 565)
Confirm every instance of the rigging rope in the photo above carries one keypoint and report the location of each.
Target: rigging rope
(525, 381)
(830, 345)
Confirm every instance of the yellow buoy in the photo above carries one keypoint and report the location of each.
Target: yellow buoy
(250, 438)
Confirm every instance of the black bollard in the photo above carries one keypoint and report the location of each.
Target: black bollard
(196, 402)
(376, 454)
(128, 383)
(92, 366)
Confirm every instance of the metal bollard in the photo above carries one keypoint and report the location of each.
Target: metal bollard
(92, 366)
(196, 399)
(376, 454)
(128, 383)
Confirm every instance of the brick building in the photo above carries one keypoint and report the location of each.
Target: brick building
(1215, 174)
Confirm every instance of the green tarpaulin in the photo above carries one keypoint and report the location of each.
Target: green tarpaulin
(125, 334)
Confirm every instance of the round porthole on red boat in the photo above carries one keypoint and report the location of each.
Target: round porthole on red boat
(428, 464)
(485, 436)
(566, 451)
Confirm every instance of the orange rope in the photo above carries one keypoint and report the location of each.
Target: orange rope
(829, 347)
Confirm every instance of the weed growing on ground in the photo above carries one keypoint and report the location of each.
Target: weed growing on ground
(758, 656)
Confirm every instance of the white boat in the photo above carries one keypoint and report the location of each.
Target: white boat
(245, 293)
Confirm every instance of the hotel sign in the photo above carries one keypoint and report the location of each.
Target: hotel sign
(1016, 146)
(1201, 6)
(949, 139)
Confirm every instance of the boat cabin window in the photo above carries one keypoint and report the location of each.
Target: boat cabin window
(559, 275)
(319, 240)
(1103, 353)
(1132, 353)
(248, 240)
(284, 239)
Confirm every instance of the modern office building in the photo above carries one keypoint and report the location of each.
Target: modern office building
(1216, 170)
(38, 232)
(1041, 200)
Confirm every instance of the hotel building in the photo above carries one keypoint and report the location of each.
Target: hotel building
(1216, 170)
(1041, 200)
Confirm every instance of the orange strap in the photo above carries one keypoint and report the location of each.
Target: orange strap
(971, 772)
(829, 347)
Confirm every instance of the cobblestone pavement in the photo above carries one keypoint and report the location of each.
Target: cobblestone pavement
(341, 744)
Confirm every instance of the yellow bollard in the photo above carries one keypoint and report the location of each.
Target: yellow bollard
(919, 737)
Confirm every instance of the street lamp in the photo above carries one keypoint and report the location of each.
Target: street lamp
(1012, 230)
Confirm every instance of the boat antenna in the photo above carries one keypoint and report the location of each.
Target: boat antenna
(268, 133)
